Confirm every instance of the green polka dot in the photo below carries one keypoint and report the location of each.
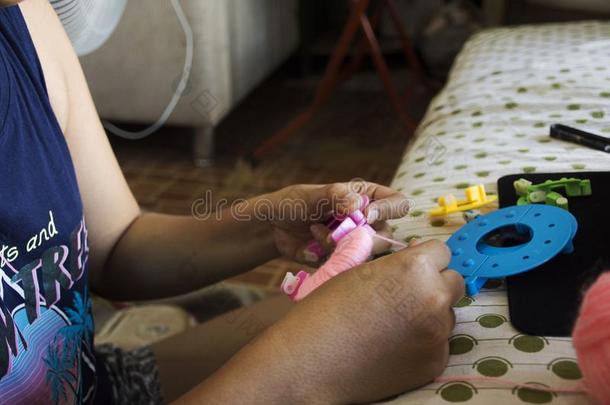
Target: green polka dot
(477, 124)
(565, 70)
(534, 396)
(544, 140)
(493, 367)
(480, 155)
(554, 115)
(578, 166)
(504, 162)
(456, 112)
(409, 238)
(439, 163)
(581, 121)
(511, 105)
(417, 192)
(416, 213)
(441, 133)
(539, 125)
(460, 167)
(460, 136)
(520, 135)
(482, 173)
(573, 107)
(497, 72)
(550, 158)
(420, 159)
(522, 90)
(490, 320)
(464, 302)
(523, 150)
(401, 175)
(566, 369)
(476, 113)
(457, 392)
(418, 175)
(528, 344)
(437, 223)
(438, 179)
(604, 94)
(461, 344)
(598, 115)
(461, 186)
(478, 140)
(439, 107)
(529, 169)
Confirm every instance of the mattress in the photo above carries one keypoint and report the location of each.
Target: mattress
(492, 118)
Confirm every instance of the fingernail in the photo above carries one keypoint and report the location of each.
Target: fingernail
(361, 202)
(372, 215)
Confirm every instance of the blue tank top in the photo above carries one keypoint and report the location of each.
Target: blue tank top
(46, 328)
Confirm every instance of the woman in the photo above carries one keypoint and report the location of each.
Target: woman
(69, 223)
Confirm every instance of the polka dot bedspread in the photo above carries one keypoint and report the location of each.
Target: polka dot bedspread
(492, 119)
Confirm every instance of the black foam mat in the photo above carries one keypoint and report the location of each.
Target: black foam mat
(545, 300)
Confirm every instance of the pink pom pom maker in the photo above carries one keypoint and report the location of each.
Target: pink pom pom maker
(340, 226)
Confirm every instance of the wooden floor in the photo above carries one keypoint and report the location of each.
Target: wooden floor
(356, 135)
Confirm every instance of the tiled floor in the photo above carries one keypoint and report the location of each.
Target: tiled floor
(355, 135)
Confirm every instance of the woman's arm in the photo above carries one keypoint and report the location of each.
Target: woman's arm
(132, 255)
(138, 255)
(367, 334)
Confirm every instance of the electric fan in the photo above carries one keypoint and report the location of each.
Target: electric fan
(89, 22)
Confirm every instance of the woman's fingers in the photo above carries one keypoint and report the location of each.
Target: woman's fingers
(454, 282)
(414, 242)
(393, 207)
(345, 198)
(435, 251)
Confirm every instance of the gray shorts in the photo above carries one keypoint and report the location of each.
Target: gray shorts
(127, 377)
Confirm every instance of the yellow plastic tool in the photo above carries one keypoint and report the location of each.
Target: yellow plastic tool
(476, 197)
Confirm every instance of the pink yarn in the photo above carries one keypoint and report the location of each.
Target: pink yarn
(352, 250)
(591, 338)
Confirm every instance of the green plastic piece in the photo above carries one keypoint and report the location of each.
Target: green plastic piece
(556, 199)
(573, 187)
(521, 187)
(544, 192)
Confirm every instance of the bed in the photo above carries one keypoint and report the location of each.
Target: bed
(492, 118)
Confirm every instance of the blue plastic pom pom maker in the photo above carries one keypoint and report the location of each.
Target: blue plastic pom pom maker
(551, 231)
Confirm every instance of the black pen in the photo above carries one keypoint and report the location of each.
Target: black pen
(580, 137)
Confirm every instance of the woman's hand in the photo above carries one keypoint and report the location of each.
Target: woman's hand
(367, 334)
(299, 212)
